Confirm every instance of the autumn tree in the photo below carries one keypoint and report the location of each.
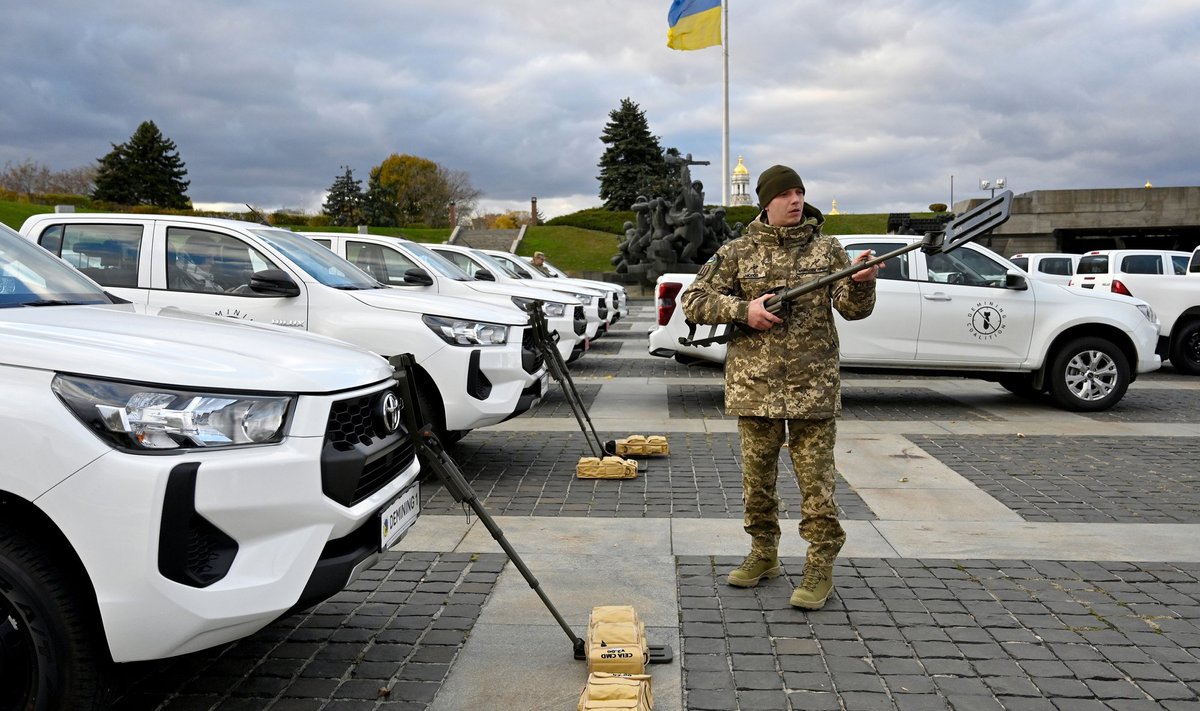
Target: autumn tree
(344, 203)
(632, 163)
(145, 171)
(413, 190)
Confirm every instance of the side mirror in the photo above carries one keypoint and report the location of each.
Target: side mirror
(1016, 282)
(418, 277)
(485, 275)
(273, 282)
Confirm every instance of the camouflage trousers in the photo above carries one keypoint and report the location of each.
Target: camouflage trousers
(810, 443)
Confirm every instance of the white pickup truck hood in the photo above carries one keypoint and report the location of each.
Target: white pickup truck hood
(182, 350)
(440, 305)
(491, 287)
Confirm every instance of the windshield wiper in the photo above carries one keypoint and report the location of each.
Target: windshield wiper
(51, 302)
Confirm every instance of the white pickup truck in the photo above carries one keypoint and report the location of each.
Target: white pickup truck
(476, 365)
(172, 483)
(971, 313)
(1158, 277)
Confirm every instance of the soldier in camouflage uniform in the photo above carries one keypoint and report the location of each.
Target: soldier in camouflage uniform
(782, 379)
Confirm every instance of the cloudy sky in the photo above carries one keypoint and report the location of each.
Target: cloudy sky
(883, 106)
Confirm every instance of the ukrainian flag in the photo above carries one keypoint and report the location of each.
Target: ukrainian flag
(694, 24)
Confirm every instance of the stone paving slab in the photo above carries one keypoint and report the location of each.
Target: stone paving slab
(515, 473)
(386, 642)
(1090, 479)
(944, 634)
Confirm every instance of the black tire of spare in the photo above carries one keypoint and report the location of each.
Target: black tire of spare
(1185, 348)
(1068, 377)
(50, 647)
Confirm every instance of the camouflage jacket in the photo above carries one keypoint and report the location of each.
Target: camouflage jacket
(789, 370)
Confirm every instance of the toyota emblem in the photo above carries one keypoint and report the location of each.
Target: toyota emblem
(388, 412)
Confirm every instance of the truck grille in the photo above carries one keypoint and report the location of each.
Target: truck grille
(531, 358)
(359, 456)
(580, 321)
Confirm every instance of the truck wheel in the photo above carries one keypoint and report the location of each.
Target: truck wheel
(1088, 374)
(50, 655)
(1185, 348)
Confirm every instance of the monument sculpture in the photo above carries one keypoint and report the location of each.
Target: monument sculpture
(672, 235)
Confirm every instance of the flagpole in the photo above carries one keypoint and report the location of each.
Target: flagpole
(725, 119)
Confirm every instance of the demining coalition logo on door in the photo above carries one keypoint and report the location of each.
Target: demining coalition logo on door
(986, 321)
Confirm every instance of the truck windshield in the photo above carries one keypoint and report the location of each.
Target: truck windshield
(317, 261)
(31, 276)
(436, 262)
(495, 264)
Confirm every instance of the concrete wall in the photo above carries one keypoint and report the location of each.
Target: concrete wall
(1057, 220)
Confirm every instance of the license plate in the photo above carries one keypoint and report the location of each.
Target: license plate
(397, 517)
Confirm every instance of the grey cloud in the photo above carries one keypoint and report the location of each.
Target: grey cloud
(877, 104)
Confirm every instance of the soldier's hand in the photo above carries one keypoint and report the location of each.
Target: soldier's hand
(757, 316)
(866, 274)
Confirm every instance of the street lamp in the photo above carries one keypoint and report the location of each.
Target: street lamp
(993, 185)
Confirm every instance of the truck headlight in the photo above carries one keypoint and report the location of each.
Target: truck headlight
(585, 299)
(553, 309)
(460, 332)
(144, 418)
(1148, 312)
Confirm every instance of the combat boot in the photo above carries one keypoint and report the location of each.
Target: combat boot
(814, 588)
(753, 569)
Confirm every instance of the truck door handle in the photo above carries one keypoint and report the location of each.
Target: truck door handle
(936, 296)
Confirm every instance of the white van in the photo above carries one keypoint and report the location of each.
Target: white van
(171, 483)
(1054, 267)
(415, 268)
(476, 364)
(482, 266)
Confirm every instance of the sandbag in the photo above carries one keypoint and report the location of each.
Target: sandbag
(616, 691)
(640, 446)
(616, 641)
(606, 468)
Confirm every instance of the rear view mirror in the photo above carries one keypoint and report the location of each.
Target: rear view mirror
(1015, 281)
(484, 275)
(274, 282)
(418, 277)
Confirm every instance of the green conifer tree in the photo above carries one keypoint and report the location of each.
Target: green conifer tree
(632, 163)
(344, 204)
(145, 171)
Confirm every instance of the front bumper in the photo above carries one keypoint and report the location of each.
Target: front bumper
(482, 386)
(205, 547)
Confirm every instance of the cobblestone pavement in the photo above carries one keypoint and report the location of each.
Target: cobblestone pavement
(858, 403)
(902, 633)
(385, 642)
(945, 634)
(1092, 479)
(521, 474)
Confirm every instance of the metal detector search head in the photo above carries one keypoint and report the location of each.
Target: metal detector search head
(980, 220)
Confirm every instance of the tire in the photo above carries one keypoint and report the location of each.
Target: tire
(50, 650)
(1185, 348)
(1088, 374)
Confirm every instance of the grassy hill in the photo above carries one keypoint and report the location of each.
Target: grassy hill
(583, 241)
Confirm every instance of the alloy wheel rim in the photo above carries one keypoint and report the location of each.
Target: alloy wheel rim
(1091, 375)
